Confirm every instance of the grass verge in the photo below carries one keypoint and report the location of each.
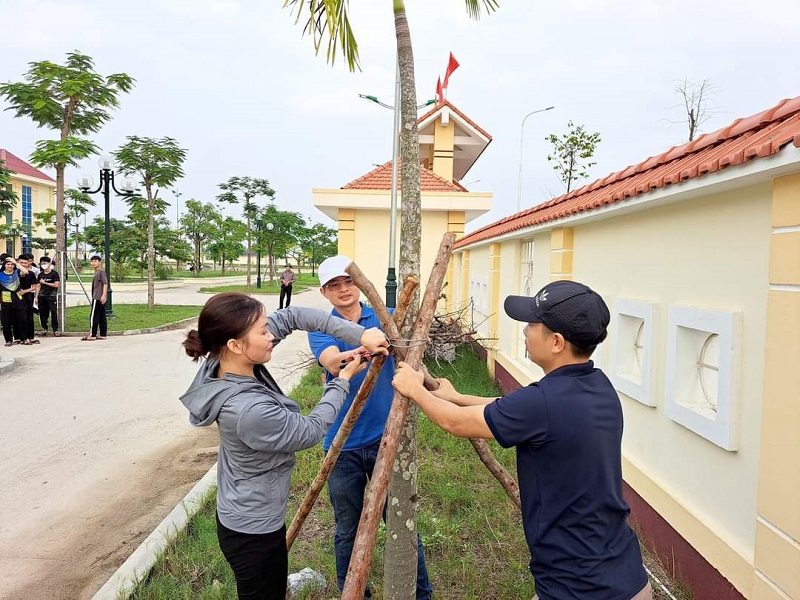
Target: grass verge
(131, 316)
(473, 537)
(303, 281)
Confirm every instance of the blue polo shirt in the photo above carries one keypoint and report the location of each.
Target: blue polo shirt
(369, 427)
(567, 429)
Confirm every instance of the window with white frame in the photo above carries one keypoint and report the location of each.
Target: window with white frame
(701, 388)
(632, 361)
(526, 288)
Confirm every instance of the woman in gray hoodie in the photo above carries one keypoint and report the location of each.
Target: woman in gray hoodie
(260, 428)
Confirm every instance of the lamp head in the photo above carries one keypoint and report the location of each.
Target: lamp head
(106, 162)
(85, 183)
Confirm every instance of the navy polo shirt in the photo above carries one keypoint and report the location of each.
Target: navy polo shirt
(369, 427)
(567, 429)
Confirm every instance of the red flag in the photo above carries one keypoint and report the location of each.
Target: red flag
(452, 65)
(439, 96)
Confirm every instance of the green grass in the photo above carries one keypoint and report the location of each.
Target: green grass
(131, 316)
(303, 281)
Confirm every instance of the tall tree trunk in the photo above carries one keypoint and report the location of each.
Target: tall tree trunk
(61, 240)
(151, 252)
(400, 562)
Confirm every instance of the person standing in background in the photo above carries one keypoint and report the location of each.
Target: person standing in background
(27, 289)
(287, 279)
(47, 295)
(97, 317)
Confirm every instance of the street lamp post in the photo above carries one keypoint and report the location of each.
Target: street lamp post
(270, 227)
(259, 226)
(106, 185)
(521, 134)
(391, 276)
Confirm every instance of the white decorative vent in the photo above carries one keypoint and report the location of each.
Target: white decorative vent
(632, 361)
(479, 291)
(701, 388)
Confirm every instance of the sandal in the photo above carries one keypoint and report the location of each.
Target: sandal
(26, 343)
(34, 341)
(56, 334)
(88, 339)
(9, 344)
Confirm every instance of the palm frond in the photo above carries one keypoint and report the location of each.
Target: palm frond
(474, 7)
(328, 19)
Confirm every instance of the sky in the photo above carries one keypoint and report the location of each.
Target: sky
(237, 85)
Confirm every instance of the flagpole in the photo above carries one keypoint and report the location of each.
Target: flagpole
(521, 137)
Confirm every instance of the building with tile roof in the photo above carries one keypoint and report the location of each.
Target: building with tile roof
(450, 143)
(696, 251)
(35, 192)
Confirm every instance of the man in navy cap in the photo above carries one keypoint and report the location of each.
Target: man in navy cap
(567, 430)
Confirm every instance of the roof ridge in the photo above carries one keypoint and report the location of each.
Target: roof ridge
(756, 136)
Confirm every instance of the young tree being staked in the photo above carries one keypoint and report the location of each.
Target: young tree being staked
(329, 21)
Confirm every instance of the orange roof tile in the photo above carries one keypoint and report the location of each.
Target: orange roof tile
(380, 178)
(464, 117)
(758, 136)
(19, 166)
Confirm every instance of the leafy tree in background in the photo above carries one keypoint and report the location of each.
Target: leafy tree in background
(159, 164)
(286, 225)
(571, 153)
(248, 188)
(329, 20)
(199, 222)
(318, 243)
(73, 100)
(227, 241)
(8, 198)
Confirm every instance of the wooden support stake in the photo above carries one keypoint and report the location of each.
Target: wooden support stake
(364, 546)
(409, 286)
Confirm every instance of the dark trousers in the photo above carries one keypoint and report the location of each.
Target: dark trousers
(346, 485)
(260, 562)
(98, 318)
(48, 308)
(30, 328)
(286, 292)
(12, 315)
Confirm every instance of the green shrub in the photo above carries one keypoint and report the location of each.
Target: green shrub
(162, 270)
(119, 270)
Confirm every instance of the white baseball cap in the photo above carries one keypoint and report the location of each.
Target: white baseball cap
(333, 267)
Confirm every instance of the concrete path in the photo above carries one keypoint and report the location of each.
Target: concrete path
(96, 449)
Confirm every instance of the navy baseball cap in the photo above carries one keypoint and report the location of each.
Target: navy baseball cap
(567, 307)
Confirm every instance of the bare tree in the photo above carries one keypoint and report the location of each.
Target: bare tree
(694, 98)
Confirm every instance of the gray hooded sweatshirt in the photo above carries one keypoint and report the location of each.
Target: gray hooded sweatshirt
(260, 428)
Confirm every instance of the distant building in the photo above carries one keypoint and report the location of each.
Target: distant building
(450, 144)
(697, 253)
(36, 193)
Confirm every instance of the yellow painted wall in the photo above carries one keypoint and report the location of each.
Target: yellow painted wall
(712, 253)
(443, 148)
(42, 198)
(371, 247)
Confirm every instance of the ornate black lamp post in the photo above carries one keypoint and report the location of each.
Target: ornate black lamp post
(106, 185)
(259, 227)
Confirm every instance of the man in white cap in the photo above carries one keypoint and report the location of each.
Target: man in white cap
(567, 431)
(348, 479)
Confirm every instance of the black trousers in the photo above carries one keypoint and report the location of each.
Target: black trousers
(286, 292)
(98, 318)
(260, 562)
(12, 315)
(30, 328)
(48, 308)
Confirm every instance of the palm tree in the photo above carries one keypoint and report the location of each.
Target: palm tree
(328, 21)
